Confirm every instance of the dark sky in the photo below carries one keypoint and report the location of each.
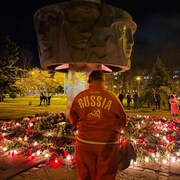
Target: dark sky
(158, 22)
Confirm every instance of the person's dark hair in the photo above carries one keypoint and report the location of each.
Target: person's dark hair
(96, 75)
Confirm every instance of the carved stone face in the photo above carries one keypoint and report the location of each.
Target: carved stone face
(127, 40)
(124, 36)
(47, 24)
(84, 32)
(80, 20)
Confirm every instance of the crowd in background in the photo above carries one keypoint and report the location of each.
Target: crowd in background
(45, 98)
(155, 102)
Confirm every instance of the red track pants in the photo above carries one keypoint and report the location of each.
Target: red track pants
(96, 162)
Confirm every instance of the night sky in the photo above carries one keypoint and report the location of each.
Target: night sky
(158, 22)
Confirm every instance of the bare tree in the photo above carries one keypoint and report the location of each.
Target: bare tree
(26, 57)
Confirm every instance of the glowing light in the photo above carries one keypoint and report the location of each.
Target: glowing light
(138, 126)
(164, 137)
(157, 154)
(157, 135)
(173, 159)
(5, 148)
(31, 124)
(138, 78)
(18, 124)
(47, 155)
(178, 153)
(68, 157)
(38, 152)
(15, 152)
(35, 143)
(25, 138)
(166, 125)
(134, 141)
(153, 155)
(146, 159)
(164, 161)
(33, 155)
(76, 133)
(56, 160)
(49, 134)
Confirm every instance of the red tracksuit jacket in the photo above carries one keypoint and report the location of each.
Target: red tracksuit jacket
(98, 114)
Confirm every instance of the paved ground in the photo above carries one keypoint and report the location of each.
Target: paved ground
(10, 166)
(68, 172)
(28, 168)
(23, 168)
(44, 172)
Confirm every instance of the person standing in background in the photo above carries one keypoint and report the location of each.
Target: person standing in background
(174, 107)
(169, 105)
(129, 99)
(49, 96)
(135, 99)
(43, 98)
(121, 97)
(158, 101)
(153, 102)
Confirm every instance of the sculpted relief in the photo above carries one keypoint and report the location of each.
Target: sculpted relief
(81, 32)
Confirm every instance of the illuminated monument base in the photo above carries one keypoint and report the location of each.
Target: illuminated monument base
(77, 80)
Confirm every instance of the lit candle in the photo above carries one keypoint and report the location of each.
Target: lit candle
(173, 159)
(38, 152)
(68, 157)
(146, 159)
(164, 161)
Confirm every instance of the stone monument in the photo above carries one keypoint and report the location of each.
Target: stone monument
(84, 35)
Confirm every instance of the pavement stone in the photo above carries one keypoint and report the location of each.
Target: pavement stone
(23, 168)
(11, 166)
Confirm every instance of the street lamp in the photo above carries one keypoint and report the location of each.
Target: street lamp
(138, 78)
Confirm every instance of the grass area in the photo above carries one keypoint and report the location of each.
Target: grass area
(19, 107)
(148, 112)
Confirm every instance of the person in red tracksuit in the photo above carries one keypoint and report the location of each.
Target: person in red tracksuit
(99, 116)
